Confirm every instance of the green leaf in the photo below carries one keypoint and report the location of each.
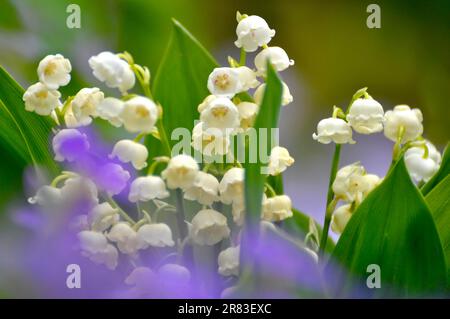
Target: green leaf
(438, 201)
(180, 83)
(24, 134)
(441, 174)
(267, 119)
(393, 228)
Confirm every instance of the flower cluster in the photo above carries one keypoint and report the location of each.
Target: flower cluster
(108, 230)
(365, 115)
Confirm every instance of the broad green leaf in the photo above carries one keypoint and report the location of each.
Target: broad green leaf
(181, 82)
(440, 175)
(438, 201)
(393, 228)
(23, 133)
(266, 119)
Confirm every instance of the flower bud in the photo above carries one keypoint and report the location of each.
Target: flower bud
(333, 130)
(139, 114)
(277, 57)
(205, 189)
(146, 188)
(180, 172)
(154, 235)
(366, 116)
(253, 32)
(422, 168)
(403, 116)
(84, 105)
(115, 72)
(209, 227)
(228, 261)
(130, 151)
(224, 82)
(279, 161)
(277, 208)
(231, 186)
(54, 71)
(40, 99)
(340, 218)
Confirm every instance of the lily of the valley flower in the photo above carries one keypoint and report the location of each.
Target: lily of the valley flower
(221, 113)
(79, 189)
(286, 98)
(146, 188)
(124, 236)
(109, 109)
(366, 116)
(402, 116)
(84, 105)
(231, 186)
(224, 82)
(139, 114)
(112, 178)
(277, 208)
(205, 189)
(247, 114)
(333, 130)
(54, 71)
(253, 32)
(180, 172)
(340, 218)
(47, 196)
(247, 78)
(69, 144)
(154, 235)
(175, 274)
(94, 246)
(205, 103)
(280, 160)
(115, 72)
(143, 280)
(40, 99)
(209, 227)
(277, 57)
(210, 141)
(129, 151)
(228, 261)
(422, 166)
(103, 216)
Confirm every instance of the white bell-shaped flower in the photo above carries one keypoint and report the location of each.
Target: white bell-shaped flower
(47, 196)
(210, 141)
(286, 97)
(205, 103)
(103, 216)
(333, 130)
(79, 223)
(130, 151)
(366, 116)
(279, 161)
(238, 212)
(247, 114)
(224, 82)
(143, 280)
(421, 167)
(176, 273)
(403, 116)
(84, 104)
(277, 208)
(154, 235)
(109, 109)
(349, 183)
(231, 187)
(340, 218)
(94, 246)
(79, 188)
(115, 72)
(40, 99)
(147, 188)
(54, 71)
(125, 237)
(209, 227)
(139, 114)
(180, 172)
(277, 57)
(68, 144)
(205, 189)
(221, 113)
(247, 77)
(253, 32)
(228, 261)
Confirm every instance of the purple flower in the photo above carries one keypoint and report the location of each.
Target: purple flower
(69, 144)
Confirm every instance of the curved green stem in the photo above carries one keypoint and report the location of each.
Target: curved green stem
(243, 57)
(122, 213)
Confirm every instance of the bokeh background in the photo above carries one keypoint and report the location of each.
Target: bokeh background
(407, 61)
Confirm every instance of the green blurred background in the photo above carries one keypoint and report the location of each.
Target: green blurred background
(406, 61)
